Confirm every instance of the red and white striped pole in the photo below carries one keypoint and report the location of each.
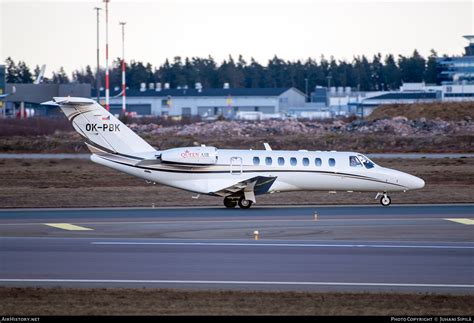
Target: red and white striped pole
(124, 103)
(107, 84)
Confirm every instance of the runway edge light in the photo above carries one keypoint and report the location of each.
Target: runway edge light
(256, 235)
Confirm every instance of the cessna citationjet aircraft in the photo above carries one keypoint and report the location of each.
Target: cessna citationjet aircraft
(236, 175)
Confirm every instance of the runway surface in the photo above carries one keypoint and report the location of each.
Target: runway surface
(369, 248)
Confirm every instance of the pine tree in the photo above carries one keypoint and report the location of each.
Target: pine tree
(138, 74)
(254, 73)
(276, 69)
(60, 77)
(89, 77)
(189, 72)
(24, 73)
(36, 72)
(431, 73)
(412, 69)
(346, 74)
(12, 71)
(334, 72)
(378, 81)
(115, 74)
(392, 73)
(362, 72)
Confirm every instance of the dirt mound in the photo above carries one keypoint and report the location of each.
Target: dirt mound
(449, 111)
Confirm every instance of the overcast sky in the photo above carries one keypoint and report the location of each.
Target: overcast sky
(63, 33)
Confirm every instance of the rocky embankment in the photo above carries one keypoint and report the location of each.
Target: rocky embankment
(439, 128)
(399, 125)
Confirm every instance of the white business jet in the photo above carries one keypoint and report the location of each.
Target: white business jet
(236, 175)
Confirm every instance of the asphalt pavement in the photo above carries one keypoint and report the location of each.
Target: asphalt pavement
(426, 248)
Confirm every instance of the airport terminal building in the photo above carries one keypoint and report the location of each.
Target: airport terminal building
(457, 69)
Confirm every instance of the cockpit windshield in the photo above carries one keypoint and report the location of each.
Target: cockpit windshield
(354, 161)
(366, 162)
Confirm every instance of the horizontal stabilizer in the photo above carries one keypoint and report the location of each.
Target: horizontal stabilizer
(73, 101)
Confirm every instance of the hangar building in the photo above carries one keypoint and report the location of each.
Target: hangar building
(228, 102)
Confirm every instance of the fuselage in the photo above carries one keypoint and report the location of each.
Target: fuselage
(293, 170)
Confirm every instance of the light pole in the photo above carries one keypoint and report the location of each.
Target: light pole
(97, 79)
(124, 104)
(107, 84)
(329, 77)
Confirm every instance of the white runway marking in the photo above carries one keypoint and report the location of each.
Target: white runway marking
(234, 244)
(462, 221)
(227, 282)
(68, 226)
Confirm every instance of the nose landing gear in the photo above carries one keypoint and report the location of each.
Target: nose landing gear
(385, 200)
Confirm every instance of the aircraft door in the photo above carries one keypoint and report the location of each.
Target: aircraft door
(236, 165)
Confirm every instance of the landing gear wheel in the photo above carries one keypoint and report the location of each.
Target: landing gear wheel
(230, 203)
(244, 204)
(385, 200)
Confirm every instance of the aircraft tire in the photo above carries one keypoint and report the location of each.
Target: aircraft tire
(244, 204)
(230, 203)
(385, 200)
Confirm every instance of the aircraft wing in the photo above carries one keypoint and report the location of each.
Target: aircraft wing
(250, 187)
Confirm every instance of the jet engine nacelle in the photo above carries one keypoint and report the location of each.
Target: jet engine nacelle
(190, 155)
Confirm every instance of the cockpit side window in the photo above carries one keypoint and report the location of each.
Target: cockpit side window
(366, 162)
(354, 161)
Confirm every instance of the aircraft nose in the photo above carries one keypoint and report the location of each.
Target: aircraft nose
(415, 183)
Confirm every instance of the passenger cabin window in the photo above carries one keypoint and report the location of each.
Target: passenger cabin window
(318, 162)
(256, 161)
(305, 161)
(268, 161)
(366, 162)
(293, 161)
(281, 161)
(332, 162)
(354, 161)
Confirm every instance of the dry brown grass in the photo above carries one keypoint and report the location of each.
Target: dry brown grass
(34, 126)
(454, 111)
(81, 183)
(120, 301)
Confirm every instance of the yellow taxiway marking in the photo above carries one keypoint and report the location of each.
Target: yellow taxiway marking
(67, 226)
(462, 221)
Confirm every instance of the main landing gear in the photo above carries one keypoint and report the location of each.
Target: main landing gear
(230, 202)
(385, 200)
